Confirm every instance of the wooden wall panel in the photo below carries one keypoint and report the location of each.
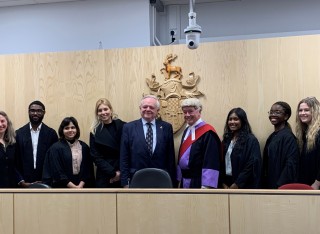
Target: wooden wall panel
(287, 214)
(172, 213)
(252, 74)
(68, 84)
(280, 69)
(65, 213)
(71, 86)
(159, 211)
(6, 213)
(17, 85)
(220, 67)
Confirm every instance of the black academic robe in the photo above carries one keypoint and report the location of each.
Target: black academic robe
(245, 163)
(205, 153)
(24, 151)
(105, 152)
(59, 159)
(7, 167)
(309, 163)
(280, 159)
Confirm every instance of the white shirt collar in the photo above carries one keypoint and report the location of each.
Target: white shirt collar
(196, 123)
(38, 128)
(192, 128)
(144, 122)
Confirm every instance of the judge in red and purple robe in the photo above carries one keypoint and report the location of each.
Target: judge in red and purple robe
(200, 150)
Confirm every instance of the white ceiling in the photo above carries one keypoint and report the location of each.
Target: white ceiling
(178, 2)
(6, 3)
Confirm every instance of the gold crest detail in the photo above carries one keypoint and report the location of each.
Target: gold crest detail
(173, 90)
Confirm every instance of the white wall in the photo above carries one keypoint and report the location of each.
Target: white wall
(77, 25)
(81, 25)
(245, 19)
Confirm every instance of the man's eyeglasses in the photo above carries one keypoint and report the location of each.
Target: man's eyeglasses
(36, 111)
(277, 112)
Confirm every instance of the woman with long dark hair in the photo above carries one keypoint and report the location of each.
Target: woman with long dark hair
(241, 166)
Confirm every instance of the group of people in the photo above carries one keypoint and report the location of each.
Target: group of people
(35, 154)
(286, 158)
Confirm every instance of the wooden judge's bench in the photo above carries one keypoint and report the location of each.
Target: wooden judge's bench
(120, 211)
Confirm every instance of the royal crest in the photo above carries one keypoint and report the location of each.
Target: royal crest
(173, 90)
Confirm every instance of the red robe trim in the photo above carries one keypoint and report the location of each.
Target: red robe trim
(198, 132)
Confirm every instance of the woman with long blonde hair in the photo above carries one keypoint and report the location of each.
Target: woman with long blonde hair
(105, 139)
(7, 152)
(307, 133)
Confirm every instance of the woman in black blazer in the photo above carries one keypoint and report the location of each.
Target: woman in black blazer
(105, 140)
(7, 151)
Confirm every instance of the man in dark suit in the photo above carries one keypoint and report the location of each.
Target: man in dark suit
(146, 143)
(33, 141)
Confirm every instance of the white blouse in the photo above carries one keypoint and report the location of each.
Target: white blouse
(228, 159)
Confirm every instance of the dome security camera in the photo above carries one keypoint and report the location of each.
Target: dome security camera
(192, 37)
(192, 32)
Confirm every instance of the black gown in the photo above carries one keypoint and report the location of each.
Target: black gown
(58, 165)
(105, 152)
(7, 167)
(280, 159)
(309, 164)
(245, 163)
(200, 167)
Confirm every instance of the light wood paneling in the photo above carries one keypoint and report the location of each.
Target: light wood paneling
(286, 214)
(172, 213)
(252, 74)
(159, 211)
(65, 213)
(6, 213)
(70, 83)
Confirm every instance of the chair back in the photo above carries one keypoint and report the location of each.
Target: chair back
(151, 178)
(39, 185)
(296, 186)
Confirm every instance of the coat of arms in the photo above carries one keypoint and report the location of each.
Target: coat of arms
(173, 91)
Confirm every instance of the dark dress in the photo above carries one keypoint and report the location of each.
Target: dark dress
(309, 163)
(199, 165)
(280, 159)
(7, 168)
(245, 163)
(105, 152)
(59, 165)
